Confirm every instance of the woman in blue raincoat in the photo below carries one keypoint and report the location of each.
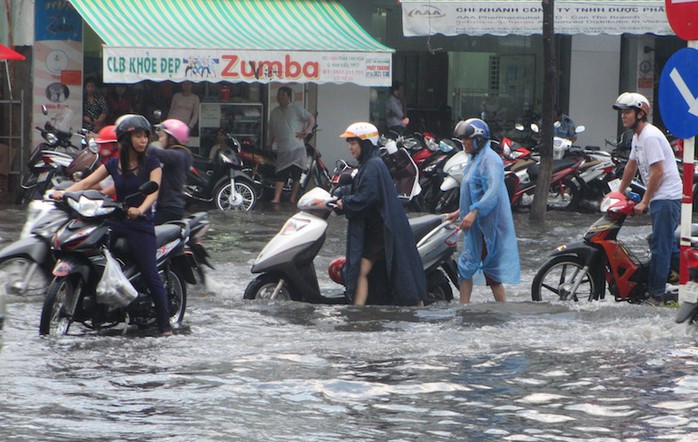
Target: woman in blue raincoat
(383, 265)
(490, 246)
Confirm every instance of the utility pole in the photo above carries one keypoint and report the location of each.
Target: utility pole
(540, 200)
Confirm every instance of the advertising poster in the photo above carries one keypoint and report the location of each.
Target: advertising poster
(57, 67)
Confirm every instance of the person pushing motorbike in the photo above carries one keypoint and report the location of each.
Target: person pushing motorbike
(176, 160)
(651, 153)
(383, 266)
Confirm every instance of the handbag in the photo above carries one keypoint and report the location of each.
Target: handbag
(114, 289)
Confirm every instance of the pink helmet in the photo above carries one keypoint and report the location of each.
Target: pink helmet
(178, 129)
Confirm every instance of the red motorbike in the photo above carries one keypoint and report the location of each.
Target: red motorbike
(581, 270)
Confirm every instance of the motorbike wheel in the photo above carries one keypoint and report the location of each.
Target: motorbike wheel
(438, 288)
(245, 194)
(176, 296)
(555, 279)
(22, 276)
(263, 287)
(564, 196)
(54, 321)
(449, 201)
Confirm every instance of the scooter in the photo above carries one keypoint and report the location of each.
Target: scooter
(689, 310)
(81, 258)
(581, 270)
(286, 264)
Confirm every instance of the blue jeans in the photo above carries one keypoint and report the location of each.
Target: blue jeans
(666, 215)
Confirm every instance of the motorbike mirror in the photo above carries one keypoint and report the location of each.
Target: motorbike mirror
(345, 179)
(148, 188)
(519, 126)
(534, 127)
(580, 129)
(157, 115)
(44, 109)
(557, 124)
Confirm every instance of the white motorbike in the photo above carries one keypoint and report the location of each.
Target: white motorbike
(287, 272)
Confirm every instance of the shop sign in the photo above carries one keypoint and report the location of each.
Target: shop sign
(124, 65)
(525, 17)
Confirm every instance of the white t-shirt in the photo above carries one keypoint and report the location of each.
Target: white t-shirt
(650, 147)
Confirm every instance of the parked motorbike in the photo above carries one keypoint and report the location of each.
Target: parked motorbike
(48, 160)
(222, 180)
(260, 166)
(80, 250)
(286, 264)
(581, 270)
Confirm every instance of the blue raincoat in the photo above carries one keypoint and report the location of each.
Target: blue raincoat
(399, 280)
(483, 189)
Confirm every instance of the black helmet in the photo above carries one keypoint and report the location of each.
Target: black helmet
(131, 123)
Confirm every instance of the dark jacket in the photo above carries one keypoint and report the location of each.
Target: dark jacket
(403, 281)
(176, 161)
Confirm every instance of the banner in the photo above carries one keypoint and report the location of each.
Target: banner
(131, 65)
(524, 17)
(57, 67)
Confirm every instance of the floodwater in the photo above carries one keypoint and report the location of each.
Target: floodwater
(286, 371)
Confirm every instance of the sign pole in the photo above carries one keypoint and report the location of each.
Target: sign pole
(686, 205)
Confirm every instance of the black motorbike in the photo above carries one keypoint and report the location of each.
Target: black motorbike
(51, 161)
(222, 180)
(80, 248)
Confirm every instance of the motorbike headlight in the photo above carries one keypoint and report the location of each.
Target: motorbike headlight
(294, 225)
(51, 138)
(89, 208)
(456, 168)
(608, 202)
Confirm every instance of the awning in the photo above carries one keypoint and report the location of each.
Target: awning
(235, 40)
(525, 17)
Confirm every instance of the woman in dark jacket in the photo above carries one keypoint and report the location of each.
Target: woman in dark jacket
(383, 265)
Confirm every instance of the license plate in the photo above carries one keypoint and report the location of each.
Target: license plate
(614, 185)
(42, 177)
(691, 290)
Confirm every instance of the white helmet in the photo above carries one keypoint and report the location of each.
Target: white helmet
(628, 100)
(362, 131)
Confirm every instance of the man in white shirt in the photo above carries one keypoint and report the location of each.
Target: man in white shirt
(652, 154)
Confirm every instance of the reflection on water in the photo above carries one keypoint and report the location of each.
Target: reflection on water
(291, 371)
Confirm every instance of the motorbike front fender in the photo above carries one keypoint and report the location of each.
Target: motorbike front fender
(449, 183)
(69, 266)
(31, 247)
(590, 255)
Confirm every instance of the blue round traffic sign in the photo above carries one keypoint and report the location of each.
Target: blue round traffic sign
(678, 93)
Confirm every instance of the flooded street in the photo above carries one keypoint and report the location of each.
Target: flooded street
(259, 371)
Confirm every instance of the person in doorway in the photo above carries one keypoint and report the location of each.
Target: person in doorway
(566, 127)
(395, 110)
(132, 169)
(94, 107)
(185, 106)
(176, 160)
(489, 245)
(119, 101)
(289, 124)
(651, 153)
(383, 265)
(219, 146)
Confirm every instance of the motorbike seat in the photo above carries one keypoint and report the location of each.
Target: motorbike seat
(163, 234)
(558, 165)
(424, 224)
(170, 231)
(677, 233)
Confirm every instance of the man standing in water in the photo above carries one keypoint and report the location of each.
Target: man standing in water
(652, 154)
(289, 124)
